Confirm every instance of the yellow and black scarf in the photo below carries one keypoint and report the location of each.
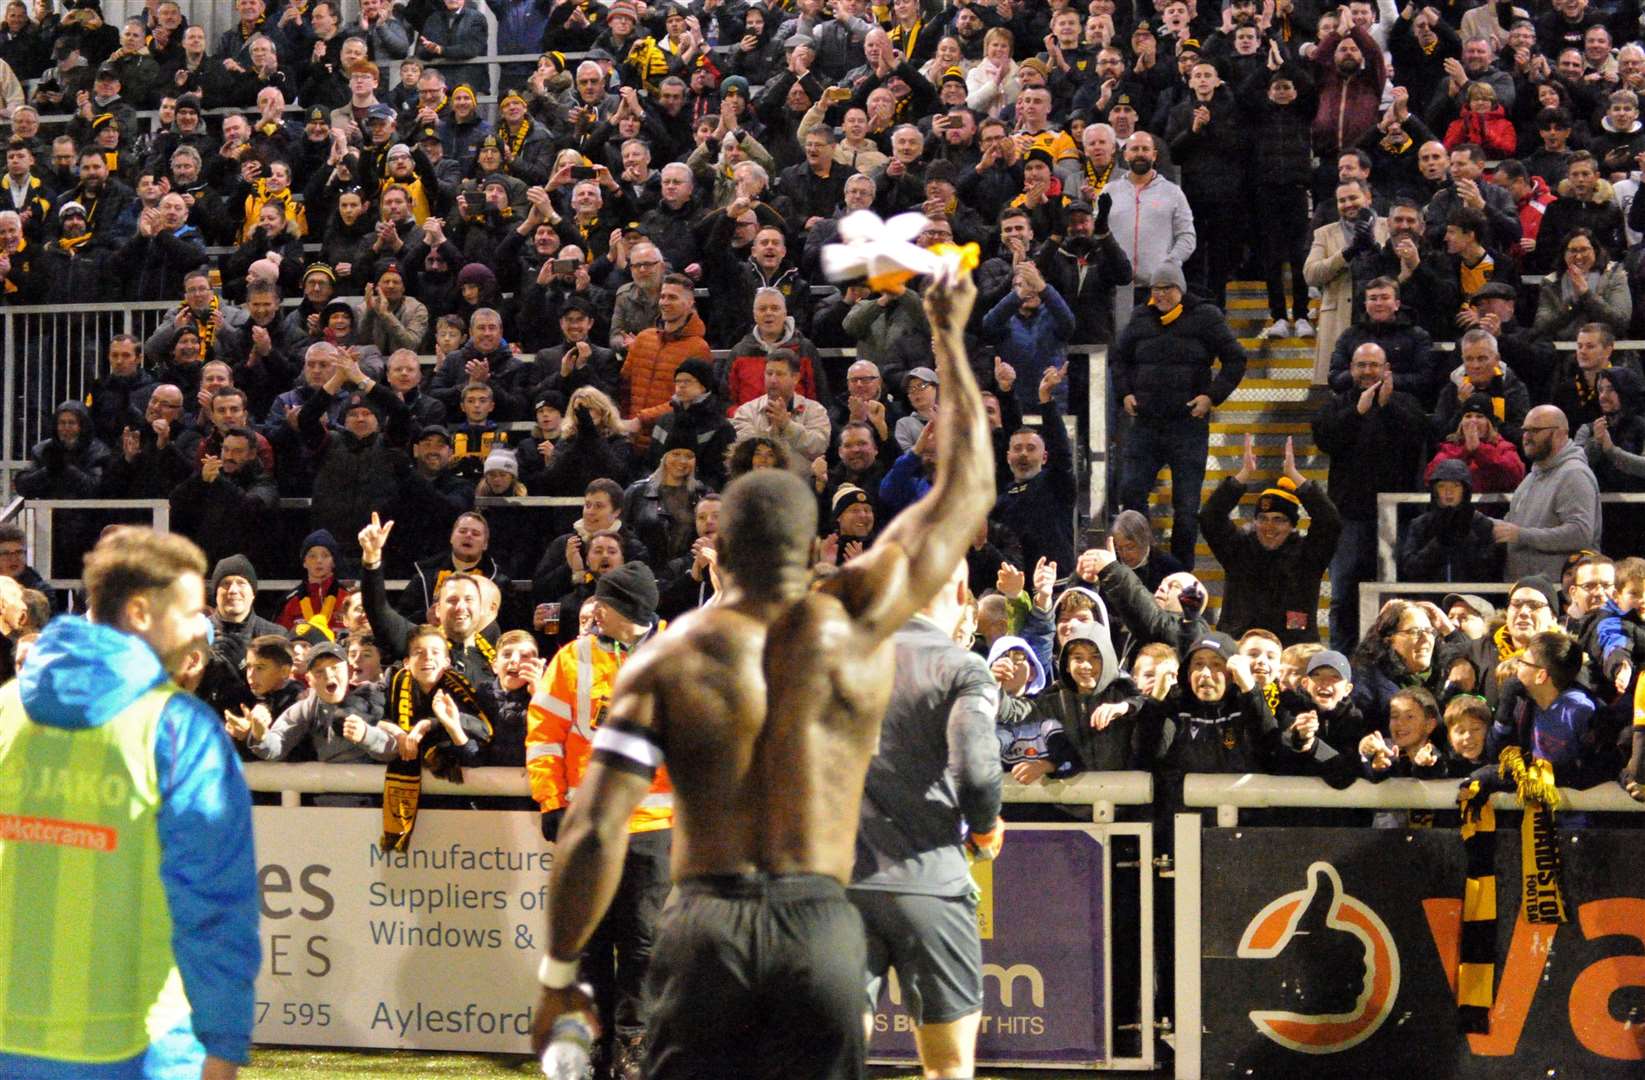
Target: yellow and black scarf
(1541, 897)
(1097, 182)
(71, 244)
(516, 138)
(906, 39)
(408, 704)
(206, 327)
(22, 242)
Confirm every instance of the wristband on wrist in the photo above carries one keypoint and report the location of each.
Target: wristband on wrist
(556, 974)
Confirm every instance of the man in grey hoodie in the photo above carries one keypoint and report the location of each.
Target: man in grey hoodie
(1555, 510)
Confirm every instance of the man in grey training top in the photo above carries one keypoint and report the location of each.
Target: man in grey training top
(933, 791)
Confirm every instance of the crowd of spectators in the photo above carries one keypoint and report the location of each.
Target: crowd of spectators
(614, 261)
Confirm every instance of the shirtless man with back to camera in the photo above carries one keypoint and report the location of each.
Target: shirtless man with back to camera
(766, 708)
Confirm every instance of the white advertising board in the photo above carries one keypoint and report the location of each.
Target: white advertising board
(435, 948)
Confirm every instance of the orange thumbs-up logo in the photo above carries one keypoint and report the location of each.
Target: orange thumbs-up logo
(1333, 940)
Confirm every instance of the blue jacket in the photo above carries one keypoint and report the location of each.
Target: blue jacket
(80, 675)
(905, 483)
(1031, 345)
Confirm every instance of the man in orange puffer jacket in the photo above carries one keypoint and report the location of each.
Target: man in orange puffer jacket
(648, 372)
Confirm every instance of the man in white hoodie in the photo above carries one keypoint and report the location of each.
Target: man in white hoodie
(1555, 510)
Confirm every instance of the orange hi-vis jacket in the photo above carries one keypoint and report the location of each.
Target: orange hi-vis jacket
(567, 709)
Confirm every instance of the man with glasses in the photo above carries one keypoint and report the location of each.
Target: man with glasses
(668, 223)
(635, 307)
(149, 459)
(1555, 510)
(1593, 584)
(1533, 607)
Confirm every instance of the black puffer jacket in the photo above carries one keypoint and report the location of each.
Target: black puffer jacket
(1212, 159)
(1167, 364)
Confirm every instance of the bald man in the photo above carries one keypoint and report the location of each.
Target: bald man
(1555, 510)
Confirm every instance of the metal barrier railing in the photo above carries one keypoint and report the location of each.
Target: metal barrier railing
(36, 517)
(1389, 502)
(1102, 792)
(55, 352)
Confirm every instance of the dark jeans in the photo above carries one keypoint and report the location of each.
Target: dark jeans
(1354, 562)
(615, 960)
(1182, 445)
(1283, 236)
(1220, 234)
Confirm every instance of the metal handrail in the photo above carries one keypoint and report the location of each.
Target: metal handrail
(1101, 791)
(1229, 793)
(1389, 502)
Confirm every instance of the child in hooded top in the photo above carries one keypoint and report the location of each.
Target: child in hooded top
(1032, 746)
(1094, 700)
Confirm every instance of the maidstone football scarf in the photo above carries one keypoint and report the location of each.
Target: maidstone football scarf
(1541, 896)
(403, 780)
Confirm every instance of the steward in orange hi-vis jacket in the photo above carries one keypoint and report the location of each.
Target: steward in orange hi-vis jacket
(566, 731)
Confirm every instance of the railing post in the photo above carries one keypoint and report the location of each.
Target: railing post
(1096, 392)
(1387, 540)
(8, 426)
(1186, 946)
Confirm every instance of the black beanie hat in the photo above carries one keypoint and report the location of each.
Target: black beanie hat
(701, 370)
(318, 538)
(232, 566)
(631, 589)
(1281, 499)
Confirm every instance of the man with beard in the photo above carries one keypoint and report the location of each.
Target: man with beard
(71, 268)
(1150, 220)
(173, 884)
(230, 503)
(456, 612)
(577, 362)
(635, 306)
(103, 197)
(1351, 74)
(1357, 231)
(392, 320)
(1273, 571)
(1427, 294)
(1555, 510)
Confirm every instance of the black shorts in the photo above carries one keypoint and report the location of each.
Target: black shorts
(933, 943)
(756, 977)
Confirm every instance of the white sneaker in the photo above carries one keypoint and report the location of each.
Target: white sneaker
(1277, 329)
(1304, 328)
